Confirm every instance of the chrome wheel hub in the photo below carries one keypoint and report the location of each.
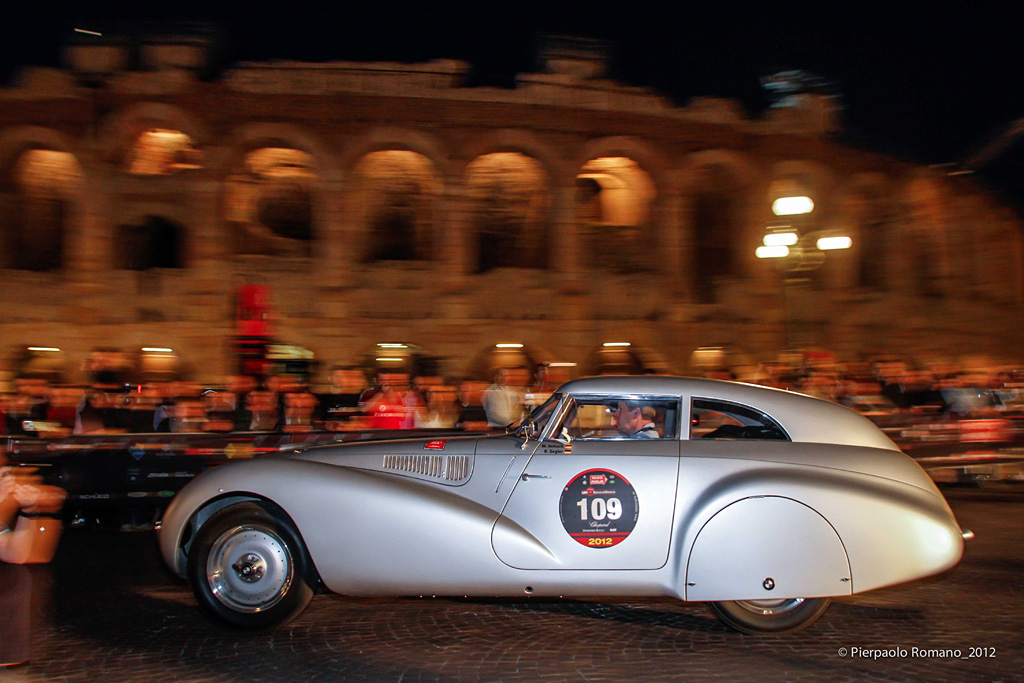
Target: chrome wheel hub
(770, 607)
(249, 568)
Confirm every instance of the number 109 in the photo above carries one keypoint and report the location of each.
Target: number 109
(600, 509)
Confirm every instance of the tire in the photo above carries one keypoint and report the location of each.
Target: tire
(770, 616)
(249, 568)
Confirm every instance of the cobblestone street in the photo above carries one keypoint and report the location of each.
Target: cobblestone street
(107, 610)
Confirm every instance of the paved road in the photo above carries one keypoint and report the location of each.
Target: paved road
(107, 610)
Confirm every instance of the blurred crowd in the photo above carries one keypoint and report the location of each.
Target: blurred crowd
(890, 386)
(395, 400)
(351, 402)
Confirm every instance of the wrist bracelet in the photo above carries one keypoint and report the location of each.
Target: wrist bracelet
(35, 515)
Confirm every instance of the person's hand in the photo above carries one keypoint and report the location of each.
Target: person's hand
(37, 498)
(19, 476)
(7, 483)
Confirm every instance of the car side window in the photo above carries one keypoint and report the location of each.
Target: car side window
(622, 418)
(713, 419)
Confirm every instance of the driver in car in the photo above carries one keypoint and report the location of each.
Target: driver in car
(635, 419)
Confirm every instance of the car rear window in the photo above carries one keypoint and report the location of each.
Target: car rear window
(715, 419)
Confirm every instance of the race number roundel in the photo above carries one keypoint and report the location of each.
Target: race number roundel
(599, 508)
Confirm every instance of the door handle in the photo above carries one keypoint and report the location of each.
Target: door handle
(527, 476)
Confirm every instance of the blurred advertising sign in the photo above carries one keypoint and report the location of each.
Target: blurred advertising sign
(978, 431)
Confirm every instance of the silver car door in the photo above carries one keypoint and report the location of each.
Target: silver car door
(591, 504)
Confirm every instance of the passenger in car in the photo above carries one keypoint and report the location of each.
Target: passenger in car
(635, 419)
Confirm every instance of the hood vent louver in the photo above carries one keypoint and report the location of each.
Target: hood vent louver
(445, 467)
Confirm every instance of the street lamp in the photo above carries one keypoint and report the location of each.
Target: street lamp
(796, 254)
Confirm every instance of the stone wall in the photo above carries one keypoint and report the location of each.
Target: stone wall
(935, 267)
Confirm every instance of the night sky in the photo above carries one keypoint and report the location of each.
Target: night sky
(932, 82)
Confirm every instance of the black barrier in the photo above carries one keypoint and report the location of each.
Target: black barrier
(128, 479)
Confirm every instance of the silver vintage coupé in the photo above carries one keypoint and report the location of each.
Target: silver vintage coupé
(761, 502)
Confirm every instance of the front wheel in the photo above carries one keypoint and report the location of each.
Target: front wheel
(788, 615)
(249, 568)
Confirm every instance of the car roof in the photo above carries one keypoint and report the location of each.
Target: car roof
(805, 418)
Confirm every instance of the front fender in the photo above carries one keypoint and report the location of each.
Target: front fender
(367, 532)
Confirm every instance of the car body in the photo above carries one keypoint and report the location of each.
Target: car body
(762, 502)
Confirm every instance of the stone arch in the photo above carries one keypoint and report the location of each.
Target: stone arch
(475, 209)
(14, 141)
(398, 357)
(395, 138)
(179, 138)
(716, 186)
(394, 204)
(619, 204)
(523, 142)
(41, 181)
(923, 241)
(510, 207)
(637, 149)
(625, 352)
(256, 135)
(489, 356)
(866, 215)
(275, 178)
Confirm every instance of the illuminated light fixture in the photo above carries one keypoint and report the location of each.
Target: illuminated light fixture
(792, 206)
(772, 252)
(390, 360)
(781, 239)
(87, 32)
(561, 365)
(508, 346)
(840, 242)
(392, 346)
(616, 344)
(43, 348)
(156, 349)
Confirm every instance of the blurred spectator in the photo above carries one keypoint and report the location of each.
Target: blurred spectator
(241, 386)
(503, 403)
(441, 410)
(421, 384)
(472, 417)
(61, 410)
(394, 406)
(107, 368)
(299, 407)
(29, 404)
(29, 525)
(102, 412)
(341, 402)
(186, 415)
(262, 408)
(220, 411)
(541, 389)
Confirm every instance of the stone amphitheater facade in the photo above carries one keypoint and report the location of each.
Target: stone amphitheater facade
(389, 203)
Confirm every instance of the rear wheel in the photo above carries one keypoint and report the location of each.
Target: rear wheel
(787, 615)
(249, 568)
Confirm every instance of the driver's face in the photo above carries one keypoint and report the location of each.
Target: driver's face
(626, 421)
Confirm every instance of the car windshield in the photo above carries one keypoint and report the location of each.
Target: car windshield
(533, 426)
